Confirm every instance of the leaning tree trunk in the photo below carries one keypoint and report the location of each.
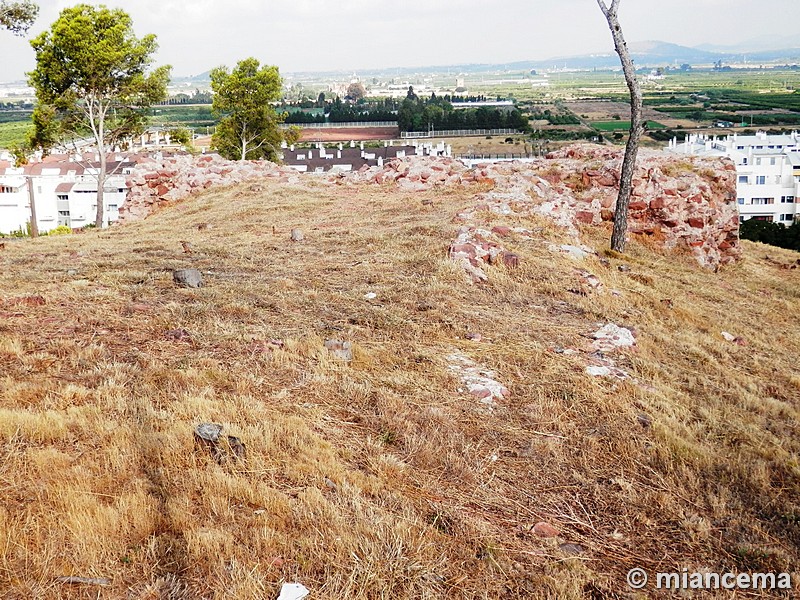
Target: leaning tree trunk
(101, 185)
(637, 127)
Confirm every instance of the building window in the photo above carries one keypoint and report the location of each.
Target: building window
(772, 160)
(744, 160)
(112, 207)
(761, 179)
(743, 178)
(758, 161)
(787, 217)
(767, 218)
(740, 200)
(741, 219)
(787, 199)
(762, 201)
(63, 213)
(7, 189)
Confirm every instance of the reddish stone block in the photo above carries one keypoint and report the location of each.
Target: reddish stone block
(162, 190)
(501, 230)
(639, 205)
(545, 530)
(607, 215)
(657, 203)
(510, 259)
(696, 244)
(584, 216)
(695, 222)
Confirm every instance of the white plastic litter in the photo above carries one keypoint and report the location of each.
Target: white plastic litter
(293, 591)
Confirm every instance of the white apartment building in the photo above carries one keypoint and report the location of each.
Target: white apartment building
(64, 192)
(767, 171)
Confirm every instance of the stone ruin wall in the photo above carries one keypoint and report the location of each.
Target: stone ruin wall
(683, 201)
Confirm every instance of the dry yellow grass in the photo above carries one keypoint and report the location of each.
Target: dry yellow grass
(378, 479)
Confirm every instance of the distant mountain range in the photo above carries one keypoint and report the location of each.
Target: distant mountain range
(645, 54)
(657, 53)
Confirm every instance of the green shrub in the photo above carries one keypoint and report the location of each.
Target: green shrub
(60, 230)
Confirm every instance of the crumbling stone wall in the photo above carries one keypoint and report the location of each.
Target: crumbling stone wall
(682, 201)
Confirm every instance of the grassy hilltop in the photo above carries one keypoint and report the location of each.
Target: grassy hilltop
(382, 477)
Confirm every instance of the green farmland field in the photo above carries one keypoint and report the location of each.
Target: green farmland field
(623, 125)
(13, 133)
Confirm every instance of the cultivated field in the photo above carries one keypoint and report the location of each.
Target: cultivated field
(383, 477)
(346, 134)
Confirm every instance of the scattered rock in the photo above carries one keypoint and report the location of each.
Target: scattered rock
(296, 235)
(187, 247)
(340, 350)
(611, 336)
(576, 252)
(728, 336)
(222, 448)
(644, 420)
(545, 530)
(370, 296)
(479, 381)
(573, 549)
(178, 335)
(605, 367)
(191, 278)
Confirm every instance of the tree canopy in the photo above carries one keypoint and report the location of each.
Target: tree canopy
(356, 91)
(243, 97)
(92, 81)
(17, 17)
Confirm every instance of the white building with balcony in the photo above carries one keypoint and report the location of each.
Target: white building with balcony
(64, 192)
(767, 171)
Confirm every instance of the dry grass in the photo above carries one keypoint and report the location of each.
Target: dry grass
(378, 479)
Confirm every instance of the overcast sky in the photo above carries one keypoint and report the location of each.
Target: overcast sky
(316, 35)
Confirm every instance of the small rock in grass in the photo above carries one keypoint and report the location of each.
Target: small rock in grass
(191, 278)
(573, 549)
(546, 530)
(340, 350)
(296, 235)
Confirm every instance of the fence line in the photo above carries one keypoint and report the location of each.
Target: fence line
(341, 125)
(456, 133)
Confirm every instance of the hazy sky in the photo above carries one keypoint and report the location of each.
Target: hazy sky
(313, 35)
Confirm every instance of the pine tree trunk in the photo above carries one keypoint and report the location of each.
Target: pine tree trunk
(618, 237)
